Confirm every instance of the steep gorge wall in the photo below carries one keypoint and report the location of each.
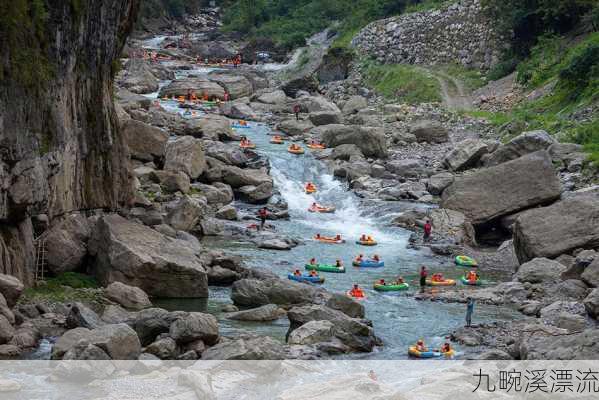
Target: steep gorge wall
(459, 33)
(60, 146)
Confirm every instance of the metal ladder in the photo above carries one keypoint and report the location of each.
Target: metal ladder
(40, 259)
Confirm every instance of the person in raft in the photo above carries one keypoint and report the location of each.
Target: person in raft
(338, 264)
(376, 258)
(437, 277)
(338, 237)
(400, 280)
(297, 272)
(420, 346)
(360, 258)
(356, 291)
(263, 213)
(363, 238)
(446, 348)
(382, 282)
(428, 229)
(313, 273)
(423, 275)
(472, 276)
(294, 147)
(313, 261)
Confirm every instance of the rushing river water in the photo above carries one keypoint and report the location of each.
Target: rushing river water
(398, 318)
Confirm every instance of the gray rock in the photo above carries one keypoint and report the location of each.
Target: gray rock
(238, 110)
(185, 154)
(565, 346)
(66, 244)
(557, 229)
(312, 332)
(371, 141)
(256, 194)
(429, 131)
(255, 293)
(150, 323)
(591, 274)
(274, 97)
(354, 104)
(218, 193)
(11, 288)
(185, 214)
(523, 183)
(228, 213)
(165, 349)
(200, 86)
(438, 183)
(466, 154)
(324, 118)
(407, 168)
(140, 256)
(195, 326)
(119, 341)
(591, 303)
(218, 275)
(145, 142)
(70, 340)
(540, 270)
(236, 85)
(6, 330)
(82, 316)
(353, 332)
(130, 297)
(493, 355)
(269, 312)
(172, 182)
(347, 152)
(526, 143)
(276, 244)
(293, 127)
(248, 348)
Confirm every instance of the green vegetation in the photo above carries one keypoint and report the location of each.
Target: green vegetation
(406, 83)
(427, 5)
(70, 286)
(23, 21)
(170, 8)
(472, 78)
(290, 22)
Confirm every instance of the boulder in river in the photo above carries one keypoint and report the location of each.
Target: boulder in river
(138, 77)
(268, 312)
(352, 332)
(274, 97)
(558, 229)
(293, 127)
(185, 214)
(199, 86)
(255, 293)
(486, 194)
(540, 270)
(193, 326)
(139, 256)
(236, 85)
(172, 181)
(324, 118)
(371, 141)
(437, 183)
(246, 348)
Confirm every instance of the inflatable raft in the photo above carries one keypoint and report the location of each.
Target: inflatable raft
(413, 352)
(391, 287)
(321, 209)
(466, 261)
(316, 146)
(362, 297)
(366, 242)
(369, 264)
(445, 282)
(295, 151)
(329, 240)
(325, 268)
(465, 281)
(306, 278)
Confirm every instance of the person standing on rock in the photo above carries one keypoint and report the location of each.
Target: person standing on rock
(469, 311)
(263, 213)
(428, 229)
(423, 275)
(296, 111)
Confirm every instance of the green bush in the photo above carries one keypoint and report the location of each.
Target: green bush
(582, 67)
(503, 68)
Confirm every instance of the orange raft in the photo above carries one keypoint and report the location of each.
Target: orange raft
(332, 240)
(321, 209)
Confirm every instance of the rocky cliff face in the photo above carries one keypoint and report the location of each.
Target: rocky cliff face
(60, 146)
(461, 32)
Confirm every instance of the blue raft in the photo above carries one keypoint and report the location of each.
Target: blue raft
(370, 264)
(306, 278)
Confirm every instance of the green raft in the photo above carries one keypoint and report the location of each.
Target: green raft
(466, 261)
(391, 288)
(465, 281)
(325, 268)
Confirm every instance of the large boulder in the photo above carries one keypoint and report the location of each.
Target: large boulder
(140, 256)
(347, 152)
(293, 127)
(237, 177)
(269, 312)
(354, 104)
(527, 142)
(6, 330)
(439, 182)
(256, 194)
(212, 127)
(324, 118)
(194, 326)
(236, 85)
(226, 153)
(312, 332)
(66, 244)
(11, 288)
(275, 97)
(539, 345)
(139, 78)
(199, 86)
(352, 332)
(171, 181)
(238, 110)
(185, 214)
(490, 193)
(151, 322)
(540, 270)
(185, 154)
(312, 104)
(119, 341)
(371, 141)
(217, 193)
(407, 168)
(557, 229)
(130, 297)
(145, 141)
(429, 131)
(255, 293)
(466, 154)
